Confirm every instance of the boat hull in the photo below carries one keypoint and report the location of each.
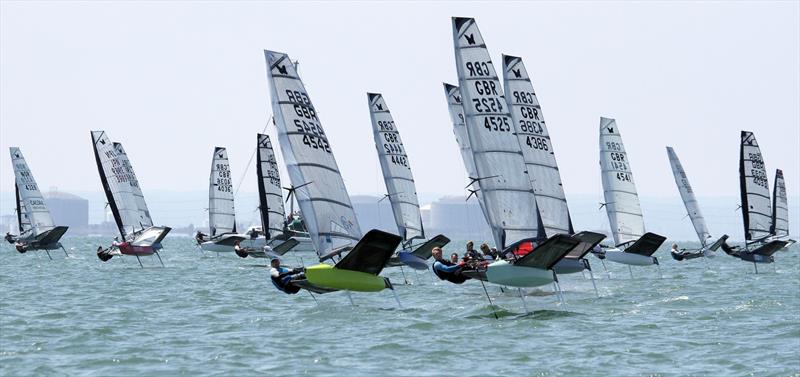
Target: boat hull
(504, 273)
(327, 276)
(630, 258)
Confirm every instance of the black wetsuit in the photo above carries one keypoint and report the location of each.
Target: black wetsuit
(452, 275)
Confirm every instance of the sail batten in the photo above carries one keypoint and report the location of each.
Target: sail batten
(320, 190)
(32, 214)
(754, 189)
(144, 220)
(688, 197)
(619, 190)
(221, 211)
(396, 169)
(116, 179)
(537, 148)
(269, 189)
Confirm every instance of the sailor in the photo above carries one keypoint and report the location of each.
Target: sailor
(284, 278)
(239, 250)
(10, 237)
(454, 258)
(103, 254)
(253, 234)
(22, 247)
(675, 248)
(200, 237)
(488, 253)
(447, 270)
(471, 253)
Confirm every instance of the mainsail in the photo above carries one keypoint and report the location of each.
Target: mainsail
(536, 146)
(402, 192)
(221, 214)
(453, 95)
(780, 206)
(754, 188)
(619, 190)
(502, 176)
(32, 213)
(270, 196)
(116, 184)
(689, 200)
(317, 183)
(144, 220)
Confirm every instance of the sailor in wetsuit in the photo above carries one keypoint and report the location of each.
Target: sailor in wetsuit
(239, 250)
(200, 237)
(447, 270)
(283, 278)
(10, 238)
(489, 254)
(21, 247)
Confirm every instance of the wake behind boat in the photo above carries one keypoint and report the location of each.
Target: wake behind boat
(125, 198)
(37, 230)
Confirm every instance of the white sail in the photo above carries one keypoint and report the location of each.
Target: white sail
(144, 221)
(537, 148)
(502, 177)
(116, 184)
(221, 214)
(622, 201)
(780, 206)
(270, 195)
(33, 215)
(319, 188)
(402, 191)
(754, 189)
(689, 200)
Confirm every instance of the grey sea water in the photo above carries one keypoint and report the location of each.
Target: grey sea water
(207, 315)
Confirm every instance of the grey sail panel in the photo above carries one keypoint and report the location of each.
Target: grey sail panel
(537, 148)
(780, 206)
(396, 168)
(269, 189)
(689, 200)
(454, 104)
(33, 215)
(221, 212)
(754, 189)
(144, 221)
(500, 166)
(319, 187)
(619, 190)
(116, 184)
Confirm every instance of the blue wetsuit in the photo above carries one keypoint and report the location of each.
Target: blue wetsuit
(444, 268)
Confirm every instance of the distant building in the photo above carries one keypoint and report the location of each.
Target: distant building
(373, 213)
(458, 218)
(68, 209)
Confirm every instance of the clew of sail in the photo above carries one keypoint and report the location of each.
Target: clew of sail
(32, 213)
(456, 108)
(754, 187)
(780, 206)
(622, 201)
(536, 146)
(116, 184)
(221, 213)
(318, 185)
(502, 176)
(144, 221)
(402, 191)
(270, 196)
(689, 200)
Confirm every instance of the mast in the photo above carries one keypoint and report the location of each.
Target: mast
(622, 201)
(754, 189)
(270, 197)
(780, 207)
(319, 188)
(396, 168)
(19, 209)
(537, 148)
(502, 175)
(221, 213)
(687, 195)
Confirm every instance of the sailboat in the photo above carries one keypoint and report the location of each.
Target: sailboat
(402, 192)
(221, 213)
(502, 177)
(321, 194)
(780, 210)
(540, 161)
(634, 246)
(757, 211)
(37, 230)
(693, 212)
(138, 235)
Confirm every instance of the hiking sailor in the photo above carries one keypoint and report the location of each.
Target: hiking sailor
(284, 278)
(200, 237)
(447, 270)
(10, 237)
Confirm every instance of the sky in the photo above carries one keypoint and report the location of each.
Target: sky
(171, 80)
